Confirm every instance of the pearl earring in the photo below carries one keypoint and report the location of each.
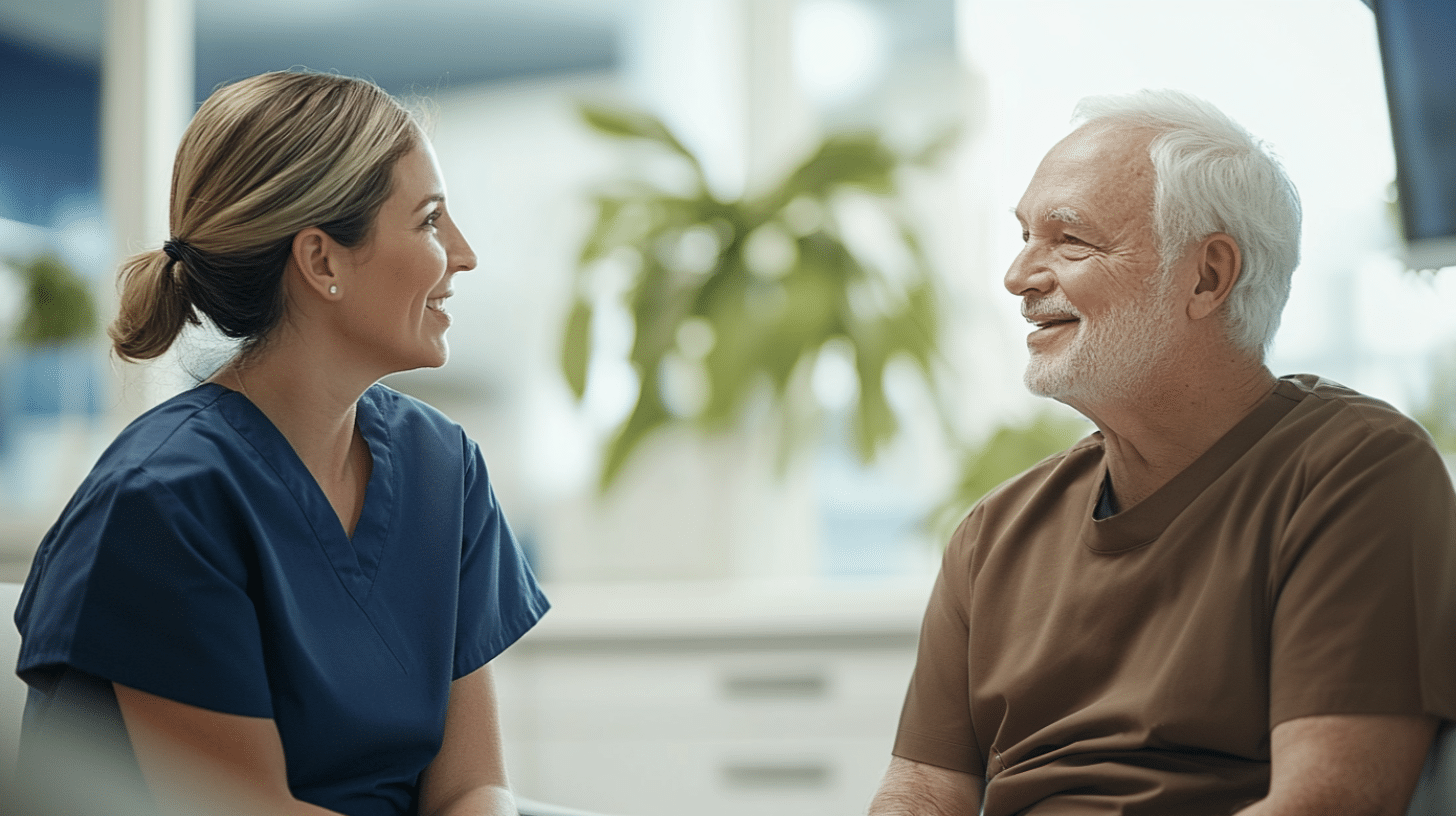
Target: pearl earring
(333, 290)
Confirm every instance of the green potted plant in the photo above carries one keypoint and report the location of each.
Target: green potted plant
(58, 308)
(58, 314)
(739, 298)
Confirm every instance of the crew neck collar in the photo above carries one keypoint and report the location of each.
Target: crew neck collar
(1141, 524)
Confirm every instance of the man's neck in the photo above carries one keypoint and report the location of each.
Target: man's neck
(1170, 425)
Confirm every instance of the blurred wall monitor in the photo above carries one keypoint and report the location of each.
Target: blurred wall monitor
(1418, 50)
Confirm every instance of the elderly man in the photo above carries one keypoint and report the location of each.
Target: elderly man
(1239, 594)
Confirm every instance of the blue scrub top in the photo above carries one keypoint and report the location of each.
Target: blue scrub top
(201, 562)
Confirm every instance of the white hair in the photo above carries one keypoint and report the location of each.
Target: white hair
(1214, 176)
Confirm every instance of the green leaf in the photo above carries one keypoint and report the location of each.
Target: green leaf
(935, 150)
(767, 332)
(856, 160)
(58, 304)
(601, 240)
(576, 346)
(1008, 451)
(875, 422)
(626, 123)
(915, 326)
(1437, 412)
(647, 415)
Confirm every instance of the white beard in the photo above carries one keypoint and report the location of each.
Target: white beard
(1111, 357)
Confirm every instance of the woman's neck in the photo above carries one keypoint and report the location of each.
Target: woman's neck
(312, 403)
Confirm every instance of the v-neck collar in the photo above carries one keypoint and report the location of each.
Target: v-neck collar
(1142, 523)
(355, 560)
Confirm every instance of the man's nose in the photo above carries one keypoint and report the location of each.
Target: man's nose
(1027, 273)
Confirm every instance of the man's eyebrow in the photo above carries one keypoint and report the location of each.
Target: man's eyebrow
(1066, 215)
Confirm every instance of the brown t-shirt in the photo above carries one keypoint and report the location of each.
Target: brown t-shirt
(1306, 564)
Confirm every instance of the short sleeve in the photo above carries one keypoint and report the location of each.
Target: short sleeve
(935, 723)
(1364, 617)
(140, 584)
(500, 599)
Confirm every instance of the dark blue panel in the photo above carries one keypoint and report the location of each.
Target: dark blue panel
(50, 125)
(1418, 48)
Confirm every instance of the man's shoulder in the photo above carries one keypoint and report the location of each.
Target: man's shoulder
(1053, 477)
(1329, 410)
(1335, 436)
(1088, 449)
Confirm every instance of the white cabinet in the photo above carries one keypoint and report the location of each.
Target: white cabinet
(709, 700)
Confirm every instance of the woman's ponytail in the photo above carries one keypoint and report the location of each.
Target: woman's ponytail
(154, 306)
(262, 159)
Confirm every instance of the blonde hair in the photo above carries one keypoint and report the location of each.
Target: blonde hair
(263, 159)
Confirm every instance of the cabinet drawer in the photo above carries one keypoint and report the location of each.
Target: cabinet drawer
(645, 777)
(735, 696)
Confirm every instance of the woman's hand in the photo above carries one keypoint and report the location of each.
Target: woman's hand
(198, 762)
(468, 776)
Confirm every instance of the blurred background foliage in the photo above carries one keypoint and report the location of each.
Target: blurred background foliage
(1437, 412)
(57, 307)
(734, 299)
(1009, 450)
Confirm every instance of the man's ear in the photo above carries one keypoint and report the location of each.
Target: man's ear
(1218, 263)
(316, 258)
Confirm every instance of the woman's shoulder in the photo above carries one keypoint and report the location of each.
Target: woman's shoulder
(411, 420)
(402, 407)
(190, 427)
(181, 453)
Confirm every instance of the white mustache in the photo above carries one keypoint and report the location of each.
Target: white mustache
(1048, 307)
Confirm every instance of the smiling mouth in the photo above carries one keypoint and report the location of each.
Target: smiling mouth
(437, 304)
(1049, 322)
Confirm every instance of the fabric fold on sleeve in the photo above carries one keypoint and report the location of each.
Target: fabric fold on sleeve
(935, 723)
(500, 599)
(161, 605)
(1364, 617)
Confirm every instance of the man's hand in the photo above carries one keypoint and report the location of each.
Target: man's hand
(915, 789)
(1350, 765)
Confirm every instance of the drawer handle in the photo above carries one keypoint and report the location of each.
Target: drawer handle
(776, 776)
(775, 687)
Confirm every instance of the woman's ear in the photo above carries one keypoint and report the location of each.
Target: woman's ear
(317, 257)
(1219, 264)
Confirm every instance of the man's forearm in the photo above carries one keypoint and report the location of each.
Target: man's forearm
(916, 789)
(1346, 764)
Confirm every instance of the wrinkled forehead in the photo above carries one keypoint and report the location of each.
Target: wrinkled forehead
(1097, 171)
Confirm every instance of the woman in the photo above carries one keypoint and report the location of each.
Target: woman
(290, 576)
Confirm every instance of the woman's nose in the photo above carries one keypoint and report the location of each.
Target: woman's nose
(462, 257)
